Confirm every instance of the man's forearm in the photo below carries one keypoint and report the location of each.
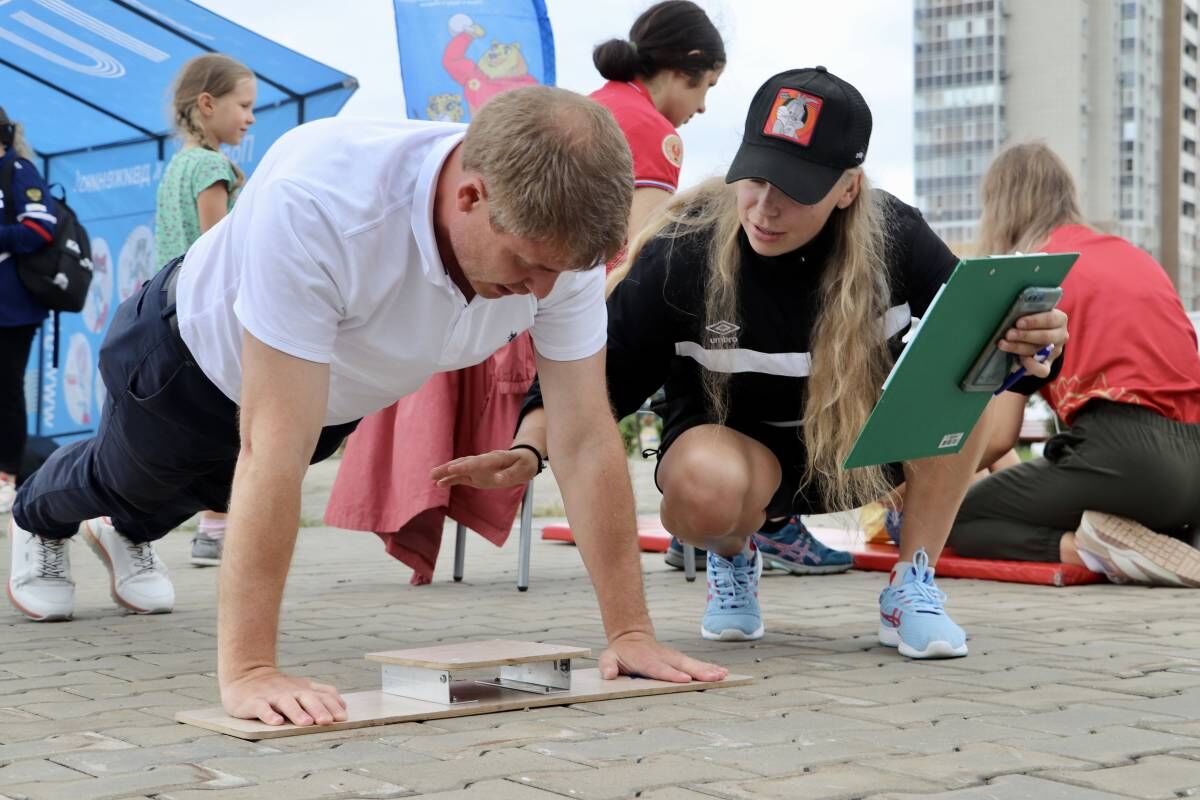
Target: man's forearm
(261, 534)
(594, 478)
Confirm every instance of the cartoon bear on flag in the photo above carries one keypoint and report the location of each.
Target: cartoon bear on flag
(500, 68)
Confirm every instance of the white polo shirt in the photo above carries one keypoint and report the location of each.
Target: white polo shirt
(329, 255)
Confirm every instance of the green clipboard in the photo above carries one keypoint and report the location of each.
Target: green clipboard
(922, 411)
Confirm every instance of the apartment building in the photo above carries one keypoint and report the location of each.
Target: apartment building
(1111, 85)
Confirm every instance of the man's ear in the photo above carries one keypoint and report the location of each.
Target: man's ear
(471, 192)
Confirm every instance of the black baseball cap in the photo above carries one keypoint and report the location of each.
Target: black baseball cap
(805, 128)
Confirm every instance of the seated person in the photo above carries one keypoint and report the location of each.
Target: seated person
(1117, 491)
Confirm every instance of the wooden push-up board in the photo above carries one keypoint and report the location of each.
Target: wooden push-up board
(476, 655)
(419, 684)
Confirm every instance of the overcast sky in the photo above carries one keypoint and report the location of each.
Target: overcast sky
(867, 42)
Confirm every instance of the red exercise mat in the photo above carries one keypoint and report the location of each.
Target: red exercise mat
(652, 538)
(881, 557)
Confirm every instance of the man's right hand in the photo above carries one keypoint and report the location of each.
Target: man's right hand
(498, 469)
(275, 698)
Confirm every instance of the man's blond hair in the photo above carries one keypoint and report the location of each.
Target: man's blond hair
(557, 169)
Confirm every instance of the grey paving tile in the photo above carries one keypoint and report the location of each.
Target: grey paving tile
(1110, 746)
(1012, 787)
(974, 763)
(836, 782)
(625, 780)
(497, 790)
(433, 775)
(1084, 717)
(1152, 778)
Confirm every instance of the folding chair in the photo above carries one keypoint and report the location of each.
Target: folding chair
(524, 543)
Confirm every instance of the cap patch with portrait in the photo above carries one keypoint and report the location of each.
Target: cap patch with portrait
(793, 116)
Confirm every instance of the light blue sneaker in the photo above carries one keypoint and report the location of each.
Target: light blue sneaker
(911, 616)
(794, 549)
(732, 614)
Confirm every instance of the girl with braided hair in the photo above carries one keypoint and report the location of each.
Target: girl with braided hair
(212, 105)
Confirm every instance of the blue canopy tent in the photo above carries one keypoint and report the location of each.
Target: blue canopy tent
(90, 81)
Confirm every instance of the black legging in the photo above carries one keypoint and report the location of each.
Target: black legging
(1116, 458)
(14, 354)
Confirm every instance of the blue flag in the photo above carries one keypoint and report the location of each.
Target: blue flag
(455, 55)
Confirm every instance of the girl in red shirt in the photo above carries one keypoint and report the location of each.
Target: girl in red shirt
(658, 79)
(1115, 492)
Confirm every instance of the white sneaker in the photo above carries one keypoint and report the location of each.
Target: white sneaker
(139, 580)
(8, 492)
(1129, 552)
(40, 584)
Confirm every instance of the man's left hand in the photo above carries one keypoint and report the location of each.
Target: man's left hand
(641, 655)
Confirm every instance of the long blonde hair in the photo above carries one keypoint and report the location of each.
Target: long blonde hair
(19, 145)
(212, 73)
(1027, 193)
(850, 358)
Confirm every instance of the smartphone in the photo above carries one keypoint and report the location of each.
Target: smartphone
(993, 365)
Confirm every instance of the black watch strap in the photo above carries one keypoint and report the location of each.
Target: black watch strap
(541, 461)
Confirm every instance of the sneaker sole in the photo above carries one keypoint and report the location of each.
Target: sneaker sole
(1142, 554)
(197, 561)
(731, 635)
(37, 617)
(94, 542)
(775, 562)
(890, 637)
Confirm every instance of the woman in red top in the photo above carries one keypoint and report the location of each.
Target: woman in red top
(657, 81)
(1115, 492)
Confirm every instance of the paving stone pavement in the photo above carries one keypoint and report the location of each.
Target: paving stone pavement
(1088, 692)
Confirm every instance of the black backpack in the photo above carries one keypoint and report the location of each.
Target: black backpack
(57, 275)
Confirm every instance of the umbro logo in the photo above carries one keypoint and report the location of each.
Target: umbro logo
(723, 328)
(724, 334)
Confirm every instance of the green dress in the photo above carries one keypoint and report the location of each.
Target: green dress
(177, 220)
